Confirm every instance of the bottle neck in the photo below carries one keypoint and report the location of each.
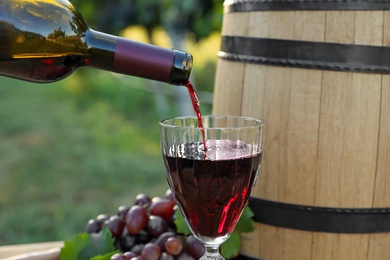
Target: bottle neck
(100, 49)
(138, 59)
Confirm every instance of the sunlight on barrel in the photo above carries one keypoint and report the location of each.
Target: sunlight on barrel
(327, 124)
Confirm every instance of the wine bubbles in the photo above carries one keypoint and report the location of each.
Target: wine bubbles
(216, 150)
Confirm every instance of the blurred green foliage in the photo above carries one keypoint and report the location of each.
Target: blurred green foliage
(88, 144)
(65, 158)
(200, 18)
(80, 147)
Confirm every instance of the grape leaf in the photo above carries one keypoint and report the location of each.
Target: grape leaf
(104, 257)
(85, 246)
(101, 244)
(231, 247)
(181, 224)
(245, 224)
(73, 246)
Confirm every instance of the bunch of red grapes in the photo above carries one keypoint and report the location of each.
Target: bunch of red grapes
(146, 231)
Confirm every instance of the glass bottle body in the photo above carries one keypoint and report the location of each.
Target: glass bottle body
(46, 40)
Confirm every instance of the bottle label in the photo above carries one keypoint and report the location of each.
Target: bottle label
(143, 60)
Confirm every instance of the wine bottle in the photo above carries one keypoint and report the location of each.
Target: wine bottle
(46, 40)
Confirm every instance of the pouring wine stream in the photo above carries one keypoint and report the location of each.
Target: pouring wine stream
(196, 106)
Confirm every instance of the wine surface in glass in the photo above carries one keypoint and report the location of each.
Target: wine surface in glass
(214, 191)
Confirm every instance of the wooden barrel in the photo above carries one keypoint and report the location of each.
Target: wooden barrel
(317, 73)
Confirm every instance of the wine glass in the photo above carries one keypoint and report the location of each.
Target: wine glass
(211, 171)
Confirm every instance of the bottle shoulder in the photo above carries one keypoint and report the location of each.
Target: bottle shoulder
(52, 26)
(47, 18)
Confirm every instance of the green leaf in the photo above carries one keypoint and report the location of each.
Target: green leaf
(181, 224)
(73, 246)
(104, 257)
(245, 224)
(85, 246)
(101, 244)
(231, 247)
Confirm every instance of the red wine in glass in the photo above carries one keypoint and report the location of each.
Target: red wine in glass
(213, 192)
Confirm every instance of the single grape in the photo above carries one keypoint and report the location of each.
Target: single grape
(151, 251)
(129, 255)
(137, 249)
(116, 225)
(185, 256)
(173, 246)
(102, 218)
(162, 208)
(126, 241)
(142, 200)
(136, 219)
(143, 237)
(92, 226)
(122, 211)
(163, 238)
(157, 198)
(194, 247)
(156, 226)
(166, 256)
(170, 196)
(117, 257)
(139, 257)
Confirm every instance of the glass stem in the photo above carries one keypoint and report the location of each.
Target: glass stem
(212, 252)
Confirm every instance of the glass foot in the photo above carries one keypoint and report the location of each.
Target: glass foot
(212, 257)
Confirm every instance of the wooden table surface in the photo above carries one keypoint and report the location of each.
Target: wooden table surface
(35, 251)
